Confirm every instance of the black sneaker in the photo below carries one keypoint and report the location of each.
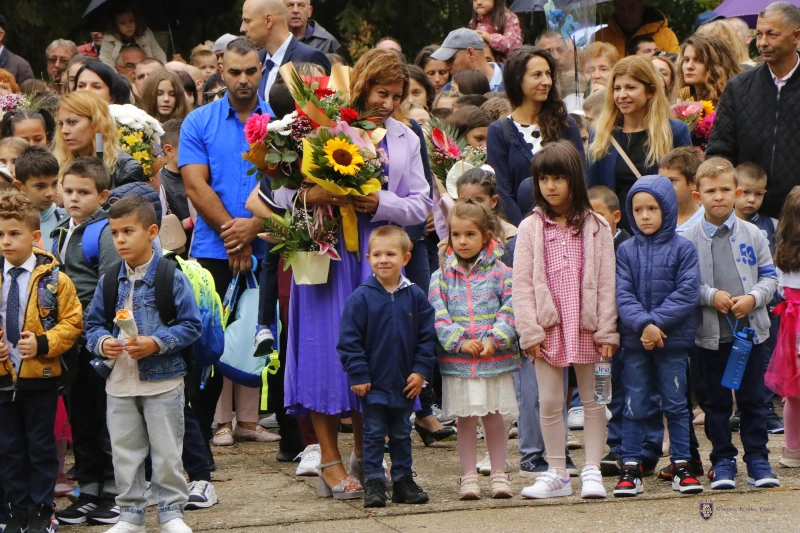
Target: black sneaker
(78, 511)
(106, 512)
(375, 493)
(630, 481)
(649, 466)
(734, 421)
(683, 481)
(41, 520)
(534, 468)
(406, 490)
(695, 467)
(17, 522)
(572, 470)
(774, 423)
(609, 465)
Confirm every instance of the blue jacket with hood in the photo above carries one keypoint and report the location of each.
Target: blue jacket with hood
(658, 279)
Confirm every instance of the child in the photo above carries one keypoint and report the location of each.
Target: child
(680, 166)
(386, 344)
(480, 186)
(737, 278)
(9, 151)
(128, 26)
(171, 178)
(605, 203)
(37, 177)
(472, 123)
(471, 294)
(206, 61)
(34, 126)
(568, 318)
(41, 319)
(657, 292)
(787, 259)
(496, 25)
(85, 183)
(145, 389)
(753, 182)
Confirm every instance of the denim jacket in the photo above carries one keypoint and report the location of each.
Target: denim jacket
(168, 362)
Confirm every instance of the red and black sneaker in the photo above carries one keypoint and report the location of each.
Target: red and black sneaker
(683, 481)
(630, 481)
(696, 468)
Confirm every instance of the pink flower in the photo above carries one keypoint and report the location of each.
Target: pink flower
(445, 143)
(255, 130)
(706, 125)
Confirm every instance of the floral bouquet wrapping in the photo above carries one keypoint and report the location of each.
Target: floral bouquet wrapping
(138, 133)
(688, 113)
(446, 148)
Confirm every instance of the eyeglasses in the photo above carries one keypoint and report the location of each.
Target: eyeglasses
(212, 95)
(55, 60)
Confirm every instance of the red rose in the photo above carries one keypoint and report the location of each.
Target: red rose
(348, 115)
(321, 93)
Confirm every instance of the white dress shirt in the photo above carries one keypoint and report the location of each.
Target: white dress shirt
(278, 60)
(23, 280)
(780, 82)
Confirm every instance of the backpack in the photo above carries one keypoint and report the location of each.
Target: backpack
(205, 351)
(90, 242)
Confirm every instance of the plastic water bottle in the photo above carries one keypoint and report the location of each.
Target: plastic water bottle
(737, 360)
(602, 383)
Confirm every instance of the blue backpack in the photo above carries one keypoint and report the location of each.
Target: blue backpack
(90, 243)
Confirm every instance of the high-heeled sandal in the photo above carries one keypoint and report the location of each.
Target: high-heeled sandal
(344, 490)
(357, 470)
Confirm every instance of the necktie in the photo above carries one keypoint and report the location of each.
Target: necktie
(262, 85)
(12, 307)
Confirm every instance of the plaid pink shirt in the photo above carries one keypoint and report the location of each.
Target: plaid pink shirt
(502, 43)
(566, 342)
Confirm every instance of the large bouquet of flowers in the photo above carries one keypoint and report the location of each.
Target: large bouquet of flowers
(446, 147)
(275, 147)
(138, 133)
(303, 231)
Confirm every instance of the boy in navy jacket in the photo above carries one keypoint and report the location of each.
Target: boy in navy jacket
(657, 293)
(387, 347)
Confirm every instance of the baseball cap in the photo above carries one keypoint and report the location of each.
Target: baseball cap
(705, 17)
(456, 40)
(222, 43)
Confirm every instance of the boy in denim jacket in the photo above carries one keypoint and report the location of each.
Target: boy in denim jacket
(145, 388)
(737, 281)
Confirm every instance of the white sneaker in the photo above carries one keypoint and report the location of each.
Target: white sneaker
(592, 483)
(176, 525)
(202, 495)
(127, 527)
(575, 417)
(310, 459)
(485, 466)
(269, 422)
(548, 485)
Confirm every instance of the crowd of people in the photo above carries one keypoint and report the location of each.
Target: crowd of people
(639, 206)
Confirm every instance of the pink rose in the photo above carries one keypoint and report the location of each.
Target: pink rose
(255, 130)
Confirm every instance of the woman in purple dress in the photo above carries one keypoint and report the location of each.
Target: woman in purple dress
(315, 383)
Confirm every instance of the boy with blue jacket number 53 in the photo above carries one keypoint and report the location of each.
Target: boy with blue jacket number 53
(737, 280)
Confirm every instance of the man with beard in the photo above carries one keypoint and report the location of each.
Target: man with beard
(309, 31)
(758, 117)
(215, 175)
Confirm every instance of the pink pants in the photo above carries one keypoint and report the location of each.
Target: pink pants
(246, 398)
(551, 403)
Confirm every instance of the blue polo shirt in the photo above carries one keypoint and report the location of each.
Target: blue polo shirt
(213, 136)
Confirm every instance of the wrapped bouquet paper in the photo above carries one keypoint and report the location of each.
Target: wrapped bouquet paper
(124, 319)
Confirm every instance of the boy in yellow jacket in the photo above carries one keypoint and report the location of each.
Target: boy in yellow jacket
(41, 318)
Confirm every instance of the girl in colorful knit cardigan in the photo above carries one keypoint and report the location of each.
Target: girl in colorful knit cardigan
(564, 299)
(471, 295)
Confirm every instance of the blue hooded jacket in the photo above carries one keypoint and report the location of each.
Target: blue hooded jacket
(658, 280)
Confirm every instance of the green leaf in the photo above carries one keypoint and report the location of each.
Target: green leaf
(289, 157)
(273, 158)
(251, 171)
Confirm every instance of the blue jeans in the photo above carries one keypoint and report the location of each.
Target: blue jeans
(718, 404)
(531, 442)
(647, 371)
(381, 421)
(653, 428)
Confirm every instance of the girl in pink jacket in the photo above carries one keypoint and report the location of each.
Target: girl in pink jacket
(565, 309)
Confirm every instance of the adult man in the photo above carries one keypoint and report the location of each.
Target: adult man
(212, 141)
(219, 47)
(130, 56)
(92, 48)
(264, 23)
(58, 54)
(742, 29)
(642, 45)
(143, 70)
(463, 50)
(632, 18)
(308, 31)
(758, 117)
(17, 66)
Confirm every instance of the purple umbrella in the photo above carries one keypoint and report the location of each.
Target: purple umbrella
(746, 9)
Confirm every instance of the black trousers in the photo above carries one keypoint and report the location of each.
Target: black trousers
(90, 440)
(29, 464)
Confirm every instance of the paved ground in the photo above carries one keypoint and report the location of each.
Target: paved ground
(259, 495)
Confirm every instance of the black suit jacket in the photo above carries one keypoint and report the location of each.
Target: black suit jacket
(298, 52)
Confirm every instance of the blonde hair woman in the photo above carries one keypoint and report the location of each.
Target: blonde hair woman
(705, 65)
(725, 30)
(81, 116)
(636, 116)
